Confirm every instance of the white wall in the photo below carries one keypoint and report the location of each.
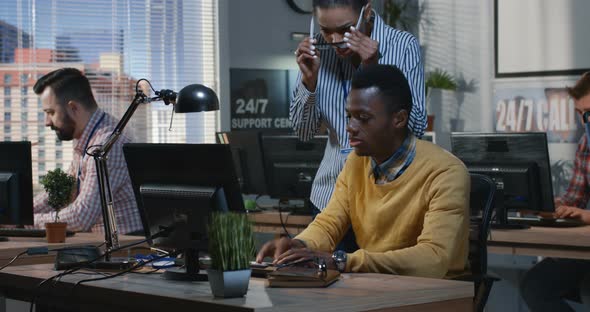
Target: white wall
(255, 34)
(542, 35)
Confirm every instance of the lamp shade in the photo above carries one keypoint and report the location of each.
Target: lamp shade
(196, 98)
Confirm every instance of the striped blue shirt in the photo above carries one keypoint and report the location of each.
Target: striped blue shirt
(327, 104)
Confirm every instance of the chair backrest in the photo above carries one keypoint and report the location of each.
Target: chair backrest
(482, 194)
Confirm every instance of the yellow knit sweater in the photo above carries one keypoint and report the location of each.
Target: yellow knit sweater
(415, 225)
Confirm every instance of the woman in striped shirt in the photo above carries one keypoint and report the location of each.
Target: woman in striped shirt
(351, 35)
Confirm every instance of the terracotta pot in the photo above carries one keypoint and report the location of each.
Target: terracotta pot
(56, 232)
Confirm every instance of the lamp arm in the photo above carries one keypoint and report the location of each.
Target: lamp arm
(139, 99)
(100, 155)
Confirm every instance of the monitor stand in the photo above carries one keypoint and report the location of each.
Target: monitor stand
(190, 272)
(502, 222)
(305, 210)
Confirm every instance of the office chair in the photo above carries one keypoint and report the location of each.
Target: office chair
(482, 194)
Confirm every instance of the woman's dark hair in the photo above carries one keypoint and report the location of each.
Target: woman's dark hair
(325, 4)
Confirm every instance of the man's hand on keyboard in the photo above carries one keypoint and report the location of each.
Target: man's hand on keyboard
(573, 212)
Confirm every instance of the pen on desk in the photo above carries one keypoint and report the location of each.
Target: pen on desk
(280, 266)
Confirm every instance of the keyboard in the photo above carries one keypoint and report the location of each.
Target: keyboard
(548, 222)
(20, 232)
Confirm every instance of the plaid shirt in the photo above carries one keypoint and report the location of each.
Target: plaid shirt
(578, 191)
(395, 165)
(85, 213)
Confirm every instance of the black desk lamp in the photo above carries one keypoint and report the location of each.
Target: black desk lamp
(192, 98)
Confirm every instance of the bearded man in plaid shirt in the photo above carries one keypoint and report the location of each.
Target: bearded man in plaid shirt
(549, 282)
(72, 112)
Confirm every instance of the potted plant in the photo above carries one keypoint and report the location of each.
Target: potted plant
(403, 14)
(59, 186)
(437, 79)
(231, 247)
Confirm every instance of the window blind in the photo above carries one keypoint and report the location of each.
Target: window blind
(172, 43)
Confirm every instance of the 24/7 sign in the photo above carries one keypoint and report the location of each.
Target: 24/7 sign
(259, 99)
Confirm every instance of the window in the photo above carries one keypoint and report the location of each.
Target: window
(41, 117)
(41, 140)
(58, 154)
(41, 153)
(7, 116)
(57, 142)
(6, 129)
(120, 42)
(7, 103)
(7, 79)
(42, 167)
(24, 116)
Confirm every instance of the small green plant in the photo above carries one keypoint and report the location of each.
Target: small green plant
(231, 242)
(59, 186)
(401, 14)
(440, 79)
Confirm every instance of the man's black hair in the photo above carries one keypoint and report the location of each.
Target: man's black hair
(391, 82)
(68, 84)
(324, 4)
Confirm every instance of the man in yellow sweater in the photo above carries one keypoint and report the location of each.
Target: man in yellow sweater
(406, 199)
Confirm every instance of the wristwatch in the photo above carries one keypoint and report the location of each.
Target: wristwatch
(339, 258)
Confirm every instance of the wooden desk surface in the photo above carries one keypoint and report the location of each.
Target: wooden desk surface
(573, 242)
(358, 292)
(17, 245)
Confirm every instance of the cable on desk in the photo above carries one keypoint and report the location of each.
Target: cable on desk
(13, 259)
(30, 252)
(283, 223)
(72, 270)
(137, 266)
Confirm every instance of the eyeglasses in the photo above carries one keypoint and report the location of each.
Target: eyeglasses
(328, 45)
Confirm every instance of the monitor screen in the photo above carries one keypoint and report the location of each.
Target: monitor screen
(16, 183)
(177, 186)
(247, 157)
(517, 162)
(290, 164)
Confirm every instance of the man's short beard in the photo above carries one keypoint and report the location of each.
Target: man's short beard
(66, 133)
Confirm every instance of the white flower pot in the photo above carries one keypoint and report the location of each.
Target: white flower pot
(229, 284)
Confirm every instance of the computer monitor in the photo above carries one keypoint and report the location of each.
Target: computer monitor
(247, 155)
(16, 183)
(291, 164)
(177, 186)
(517, 162)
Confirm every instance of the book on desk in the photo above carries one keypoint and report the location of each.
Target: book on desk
(301, 277)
